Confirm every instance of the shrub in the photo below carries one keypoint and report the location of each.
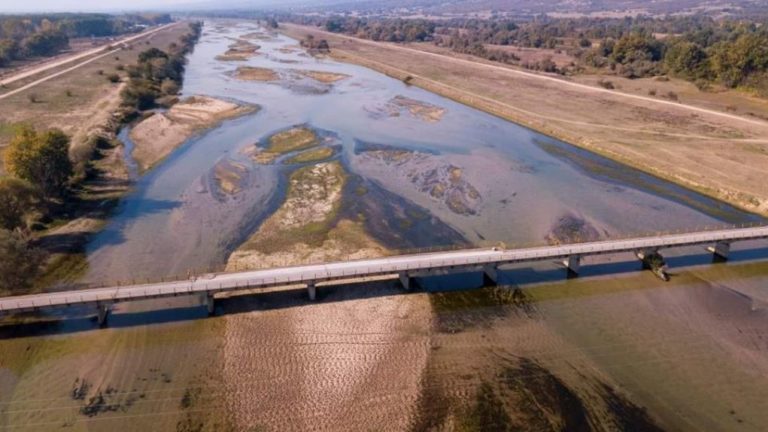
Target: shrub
(18, 198)
(606, 84)
(169, 87)
(19, 262)
(652, 92)
(113, 78)
(672, 96)
(42, 159)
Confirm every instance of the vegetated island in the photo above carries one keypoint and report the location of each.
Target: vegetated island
(304, 228)
(158, 135)
(295, 139)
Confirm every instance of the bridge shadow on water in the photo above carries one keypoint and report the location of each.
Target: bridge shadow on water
(178, 310)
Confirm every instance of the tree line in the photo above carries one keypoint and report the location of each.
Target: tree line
(25, 36)
(158, 74)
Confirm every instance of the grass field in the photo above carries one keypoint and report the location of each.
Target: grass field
(80, 100)
(697, 140)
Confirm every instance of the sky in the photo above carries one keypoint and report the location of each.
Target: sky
(88, 5)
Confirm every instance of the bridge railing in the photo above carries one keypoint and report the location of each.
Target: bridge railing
(197, 273)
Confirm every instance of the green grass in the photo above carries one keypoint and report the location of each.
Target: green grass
(294, 139)
(313, 155)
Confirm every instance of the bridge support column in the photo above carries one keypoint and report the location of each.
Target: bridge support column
(210, 303)
(652, 260)
(406, 281)
(573, 265)
(312, 291)
(720, 251)
(102, 313)
(490, 275)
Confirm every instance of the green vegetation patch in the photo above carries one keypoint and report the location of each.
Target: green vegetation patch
(313, 155)
(312, 205)
(294, 139)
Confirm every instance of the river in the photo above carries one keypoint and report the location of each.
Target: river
(616, 349)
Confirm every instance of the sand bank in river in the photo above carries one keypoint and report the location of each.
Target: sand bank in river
(248, 73)
(354, 364)
(323, 77)
(240, 50)
(158, 135)
(419, 109)
(229, 176)
(443, 182)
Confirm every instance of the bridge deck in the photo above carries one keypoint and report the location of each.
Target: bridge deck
(412, 264)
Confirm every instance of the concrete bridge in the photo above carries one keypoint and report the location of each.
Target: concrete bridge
(405, 267)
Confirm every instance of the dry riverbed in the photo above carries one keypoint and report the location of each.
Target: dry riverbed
(157, 136)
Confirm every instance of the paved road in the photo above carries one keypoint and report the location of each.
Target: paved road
(70, 59)
(406, 264)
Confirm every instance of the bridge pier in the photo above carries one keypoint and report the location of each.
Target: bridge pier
(573, 265)
(652, 260)
(210, 303)
(312, 291)
(491, 275)
(102, 313)
(406, 281)
(720, 251)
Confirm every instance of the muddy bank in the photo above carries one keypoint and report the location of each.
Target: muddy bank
(157, 136)
(510, 381)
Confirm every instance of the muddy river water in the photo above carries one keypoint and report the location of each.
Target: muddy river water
(617, 350)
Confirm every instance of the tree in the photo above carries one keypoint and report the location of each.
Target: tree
(42, 159)
(19, 262)
(686, 59)
(18, 198)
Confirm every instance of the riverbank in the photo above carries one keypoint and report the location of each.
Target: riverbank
(158, 135)
(674, 142)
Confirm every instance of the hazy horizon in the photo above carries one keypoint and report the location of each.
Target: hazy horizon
(9, 6)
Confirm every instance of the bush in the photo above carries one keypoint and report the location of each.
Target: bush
(42, 159)
(18, 198)
(672, 96)
(652, 92)
(606, 84)
(33, 98)
(169, 87)
(19, 262)
(113, 78)
(68, 92)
